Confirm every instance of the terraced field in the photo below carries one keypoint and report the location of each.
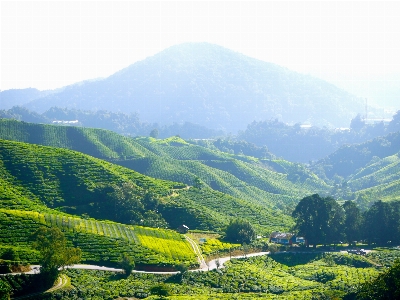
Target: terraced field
(100, 241)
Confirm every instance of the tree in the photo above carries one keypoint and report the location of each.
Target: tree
(161, 290)
(126, 200)
(127, 264)
(319, 220)
(357, 123)
(54, 252)
(382, 222)
(182, 269)
(10, 254)
(154, 133)
(197, 183)
(375, 226)
(240, 231)
(353, 221)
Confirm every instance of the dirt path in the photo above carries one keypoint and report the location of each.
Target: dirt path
(62, 281)
(197, 251)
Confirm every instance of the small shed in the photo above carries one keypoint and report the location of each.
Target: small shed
(183, 229)
(282, 238)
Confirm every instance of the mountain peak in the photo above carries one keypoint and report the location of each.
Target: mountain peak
(212, 86)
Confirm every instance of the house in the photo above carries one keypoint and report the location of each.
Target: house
(182, 229)
(285, 238)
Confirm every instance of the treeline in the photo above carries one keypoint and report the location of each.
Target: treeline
(306, 144)
(126, 124)
(322, 220)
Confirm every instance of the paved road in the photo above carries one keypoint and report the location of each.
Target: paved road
(211, 265)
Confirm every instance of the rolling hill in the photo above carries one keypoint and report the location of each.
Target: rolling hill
(268, 182)
(365, 172)
(76, 183)
(211, 86)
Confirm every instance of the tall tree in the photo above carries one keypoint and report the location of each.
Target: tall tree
(319, 220)
(240, 231)
(353, 221)
(375, 226)
(54, 251)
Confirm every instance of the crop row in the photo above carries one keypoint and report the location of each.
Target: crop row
(100, 241)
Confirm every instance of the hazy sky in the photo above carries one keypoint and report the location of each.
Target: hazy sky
(51, 44)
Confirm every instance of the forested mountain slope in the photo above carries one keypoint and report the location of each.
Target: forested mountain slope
(211, 86)
(348, 159)
(273, 183)
(365, 172)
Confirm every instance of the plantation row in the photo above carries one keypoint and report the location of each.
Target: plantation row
(239, 176)
(260, 217)
(99, 241)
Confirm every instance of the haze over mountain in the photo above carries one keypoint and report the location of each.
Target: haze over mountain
(211, 86)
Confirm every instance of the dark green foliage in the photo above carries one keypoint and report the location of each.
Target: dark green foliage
(386, 286)
(240, 231)
(127, 264)
(5, 290)
(320, 220)
(294, 259)
(353, 221)
(161, 290)
(382, 223)
(19, 285)
(10, 254)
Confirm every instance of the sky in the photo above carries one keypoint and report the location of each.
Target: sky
(353, 44)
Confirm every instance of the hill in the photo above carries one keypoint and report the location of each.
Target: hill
(366, 172)
(122, 123)
(211, 86)
(76, 183)
(270, 182)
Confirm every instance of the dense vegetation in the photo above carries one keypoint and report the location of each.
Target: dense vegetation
(280, 276)
(324, 221)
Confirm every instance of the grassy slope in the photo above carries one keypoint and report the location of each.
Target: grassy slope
(370, 170)
(267, 182)
(100, 241)
(72, 181)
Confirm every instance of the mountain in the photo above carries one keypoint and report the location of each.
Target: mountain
(211, 86)
(14, 97)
